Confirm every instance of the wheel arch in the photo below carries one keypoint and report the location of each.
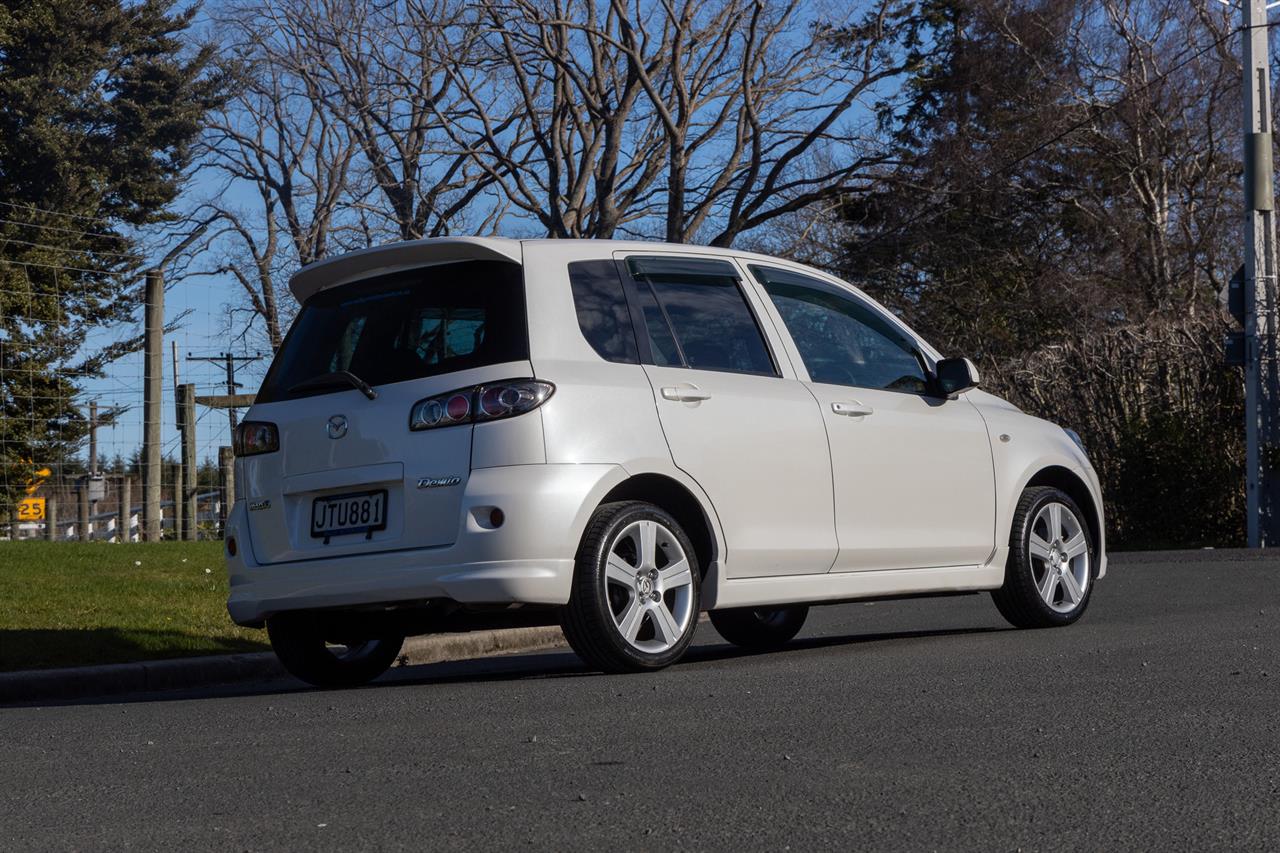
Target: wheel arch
(1077, 489)
(676, 498)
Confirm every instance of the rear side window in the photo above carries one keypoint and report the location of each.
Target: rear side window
(602, 309)
(404, 326)
(699, 317)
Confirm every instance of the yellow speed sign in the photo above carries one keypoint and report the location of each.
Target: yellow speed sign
(31, 509)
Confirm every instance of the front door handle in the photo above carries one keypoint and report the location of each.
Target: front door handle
(852, 409)
(686, 393)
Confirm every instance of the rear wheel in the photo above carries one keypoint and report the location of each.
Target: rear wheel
(1049, 575)
(303, 649)
(634, 603)
(759, 628)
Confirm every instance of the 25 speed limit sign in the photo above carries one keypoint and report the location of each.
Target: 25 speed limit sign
(31, 509)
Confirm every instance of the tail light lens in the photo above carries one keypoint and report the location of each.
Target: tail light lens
(254, 437)
(480, 403)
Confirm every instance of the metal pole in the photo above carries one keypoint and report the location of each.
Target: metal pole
(152, 391)
(227, 468)
(187, 408)
(1262, 384)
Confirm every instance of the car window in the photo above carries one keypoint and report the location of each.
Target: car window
(404, 326)
(602, 309)
(697, 315)
(842, 340)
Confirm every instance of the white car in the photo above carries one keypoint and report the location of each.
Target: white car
(616, 436)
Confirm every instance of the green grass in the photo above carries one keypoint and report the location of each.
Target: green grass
(74, 604)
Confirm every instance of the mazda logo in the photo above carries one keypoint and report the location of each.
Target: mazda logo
(337, 426)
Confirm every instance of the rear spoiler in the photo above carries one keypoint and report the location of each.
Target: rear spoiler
(393, 257)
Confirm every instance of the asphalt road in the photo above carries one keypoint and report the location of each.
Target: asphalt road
(1153, 723)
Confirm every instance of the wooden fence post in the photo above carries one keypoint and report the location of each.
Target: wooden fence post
(82, 503)
(227, 470)
(124, 514)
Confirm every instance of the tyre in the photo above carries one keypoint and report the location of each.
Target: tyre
(1049, 575)
(634, 602)
(759, 628)
(304, 651)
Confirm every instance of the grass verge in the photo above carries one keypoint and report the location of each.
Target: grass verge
(83, 603)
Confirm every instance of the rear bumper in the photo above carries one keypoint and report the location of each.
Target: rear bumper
(529, 559)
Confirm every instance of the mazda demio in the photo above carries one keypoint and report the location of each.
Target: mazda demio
(464, 433)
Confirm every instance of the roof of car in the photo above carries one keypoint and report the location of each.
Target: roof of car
(392, 257)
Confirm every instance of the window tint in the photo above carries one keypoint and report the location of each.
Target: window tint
(714, 328)
(602, 309)
(842, 340)
(405, 326)
(662, 346)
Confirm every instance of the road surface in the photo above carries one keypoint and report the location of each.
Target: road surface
(925, 724)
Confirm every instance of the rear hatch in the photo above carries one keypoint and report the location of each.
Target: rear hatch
(350, 463)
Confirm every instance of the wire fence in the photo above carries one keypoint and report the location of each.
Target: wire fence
(73, 421)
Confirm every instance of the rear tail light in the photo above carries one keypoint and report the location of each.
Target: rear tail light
(254, 437)
(480, 403)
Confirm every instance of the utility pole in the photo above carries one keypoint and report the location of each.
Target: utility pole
(1262, 383)
(152, 391)
(93, 437)
(229, 363)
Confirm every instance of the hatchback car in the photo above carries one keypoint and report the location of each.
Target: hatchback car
(615, 437)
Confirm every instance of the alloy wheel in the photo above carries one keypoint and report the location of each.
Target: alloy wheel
(1059, 554)
(649, 587)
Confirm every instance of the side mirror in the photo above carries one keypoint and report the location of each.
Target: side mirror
(956, 375)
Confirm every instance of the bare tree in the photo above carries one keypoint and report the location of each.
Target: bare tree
(696, 120)
(287, 163)
(333, 140)
(1159, 86)
(380, 69)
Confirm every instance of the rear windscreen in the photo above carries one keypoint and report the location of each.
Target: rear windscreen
(404, 326)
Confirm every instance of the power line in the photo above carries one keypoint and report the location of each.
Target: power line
(58, 229)
(31, 207)
(127, 256)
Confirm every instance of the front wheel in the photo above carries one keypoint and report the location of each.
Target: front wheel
(299, 641)
(1049, 575)
(634, 603)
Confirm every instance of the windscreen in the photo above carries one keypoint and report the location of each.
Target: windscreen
(404, 326)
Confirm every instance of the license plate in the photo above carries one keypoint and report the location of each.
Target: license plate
(358, 512)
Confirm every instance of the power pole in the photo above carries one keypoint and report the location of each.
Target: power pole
(229, 363)
(152, 391)
(1261, 366)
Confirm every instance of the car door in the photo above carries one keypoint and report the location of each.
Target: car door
(913, 472)
(752, 437)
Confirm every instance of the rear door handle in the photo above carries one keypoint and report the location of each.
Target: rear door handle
(852, 409)
(687, 393)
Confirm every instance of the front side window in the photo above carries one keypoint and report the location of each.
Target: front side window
(696, 315)
(841, 339)
(403, 326)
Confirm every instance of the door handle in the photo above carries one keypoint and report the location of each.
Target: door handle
(688, 393)
(852, 409)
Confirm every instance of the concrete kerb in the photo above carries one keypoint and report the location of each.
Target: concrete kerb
(204, 671)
